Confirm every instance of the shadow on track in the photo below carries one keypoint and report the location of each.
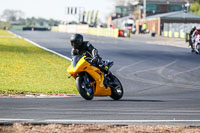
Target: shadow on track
(128, 100)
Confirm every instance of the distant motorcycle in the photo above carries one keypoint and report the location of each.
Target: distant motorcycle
(90, 79)
(197, 44)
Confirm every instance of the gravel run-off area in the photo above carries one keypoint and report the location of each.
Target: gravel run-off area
(62, 128)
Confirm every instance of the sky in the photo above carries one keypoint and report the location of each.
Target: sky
(56, 9)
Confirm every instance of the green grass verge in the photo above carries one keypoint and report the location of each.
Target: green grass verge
(5, 33)
(27, 69)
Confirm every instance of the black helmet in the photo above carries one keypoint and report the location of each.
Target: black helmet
(76, 41)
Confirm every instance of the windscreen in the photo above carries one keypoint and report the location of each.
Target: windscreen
(75, 60)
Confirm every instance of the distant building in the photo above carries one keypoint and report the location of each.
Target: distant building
(134, 9)
(154, 7)
(173, 24)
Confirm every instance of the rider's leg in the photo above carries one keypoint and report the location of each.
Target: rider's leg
(191, 44)
(104, 67)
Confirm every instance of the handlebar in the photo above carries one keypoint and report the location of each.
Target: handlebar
(89, 59)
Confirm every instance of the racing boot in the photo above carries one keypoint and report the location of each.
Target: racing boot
(106, 66)
(192, 50)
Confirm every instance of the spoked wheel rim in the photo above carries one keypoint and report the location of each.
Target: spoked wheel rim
(88, 89)
(85, 89)
(118, 89)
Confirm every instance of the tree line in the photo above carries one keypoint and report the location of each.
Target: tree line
(16, 17)
(195, 7)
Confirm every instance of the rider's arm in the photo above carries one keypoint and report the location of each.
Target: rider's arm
(95, 53)
(194, 33)
(74, 52)
(92, 50)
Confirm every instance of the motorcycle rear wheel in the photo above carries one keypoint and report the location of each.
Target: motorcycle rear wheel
(117, 90)
(86, 92)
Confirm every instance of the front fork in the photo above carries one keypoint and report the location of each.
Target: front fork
(112, 81)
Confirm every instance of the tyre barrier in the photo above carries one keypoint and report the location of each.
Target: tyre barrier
(107, 32)
(174, 34)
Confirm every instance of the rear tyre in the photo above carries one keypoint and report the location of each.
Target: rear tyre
(85, 89)
(116, 89)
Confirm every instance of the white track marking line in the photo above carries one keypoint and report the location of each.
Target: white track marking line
(179, 73)
(154, 68)
(162, 68)
(95, 121)
(47, 49)
(120, 121)
(9, 119)
(42, 47)
(131, 76)
(15, 34)
(126, 67)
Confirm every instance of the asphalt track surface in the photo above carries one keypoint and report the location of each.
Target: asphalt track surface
(161, 86)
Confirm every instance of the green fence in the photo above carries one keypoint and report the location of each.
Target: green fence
(17, 27)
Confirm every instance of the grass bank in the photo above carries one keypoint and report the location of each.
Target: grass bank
(27, 69)
(5, 33)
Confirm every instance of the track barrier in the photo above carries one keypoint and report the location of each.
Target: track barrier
(174, 34)
(107, 32)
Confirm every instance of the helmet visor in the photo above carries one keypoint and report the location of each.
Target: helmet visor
(75, 44)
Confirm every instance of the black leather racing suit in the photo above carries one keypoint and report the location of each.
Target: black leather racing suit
(190, 37)
(88, 50)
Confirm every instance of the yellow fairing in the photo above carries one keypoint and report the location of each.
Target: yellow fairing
(84, 66)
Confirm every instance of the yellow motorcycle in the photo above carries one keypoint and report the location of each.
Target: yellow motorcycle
(90, 79)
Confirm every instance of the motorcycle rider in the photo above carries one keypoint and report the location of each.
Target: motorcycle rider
(195, 35)
(85, 48)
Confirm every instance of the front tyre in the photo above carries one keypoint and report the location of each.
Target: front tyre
(84, 88)
(116, 89)
(198, 48)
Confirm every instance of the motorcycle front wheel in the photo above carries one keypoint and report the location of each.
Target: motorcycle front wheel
(198, 48)
(84, 88)
(116, 89)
